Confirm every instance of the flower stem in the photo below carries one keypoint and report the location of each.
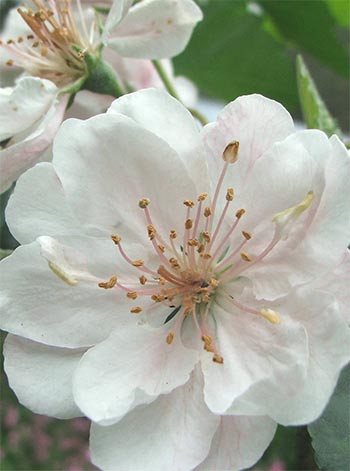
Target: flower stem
(171, 89)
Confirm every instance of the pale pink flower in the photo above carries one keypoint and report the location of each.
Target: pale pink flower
(202, 322)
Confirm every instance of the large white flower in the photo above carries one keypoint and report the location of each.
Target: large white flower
(207, 317)
(29, 118)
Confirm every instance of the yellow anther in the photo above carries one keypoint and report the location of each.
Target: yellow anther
(170, 338)
(30, 36)
(138, 263)
(205, 298)
(108, 284)
(136, 310)
(218, 359)
(201, 248)
(246, 257)
(151, 231)
(207, 212)
(193, 242)
(173, 234)
(161, 248)
(230, 194)
(20, 39)
(206, 256)
(9, 62)
(271, 316)
(240, 213)
(144, 202)
(214, 283)
(230, 153)
(246, 235)
(206, 236)
(35, 44)
(202, 196)
(189, 203)
(174, 262)
(10, 41)
(131, 295)
(116, 239)
(143, 280)
(188, 224)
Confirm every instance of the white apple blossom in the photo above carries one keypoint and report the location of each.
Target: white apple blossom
(178, 286)
(29, 118)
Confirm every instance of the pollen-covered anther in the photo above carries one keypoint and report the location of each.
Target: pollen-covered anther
(138, 263)
(202, 196)
(205, 298)
(116, 239)
(132, 295)
(136, 310)
(158, 298)
(173, 234)
(206, 236)
(174, 262)
(169, 338)
(230, 194)
(207, 212)
(188, 223)
(206, 256)
(144, 202)
(246, 257)
(108, 284)
(151, 231)
(246, 235)
(271, 316)
(189, 203)
(230, 153)
(214, 283)
(240, 213)
(193, 242)
(201, 248)
(218, 359)
(9, 62)
(161, 248)
(143, 279)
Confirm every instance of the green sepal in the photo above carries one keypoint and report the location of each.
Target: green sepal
(101, 77)
(315, 112)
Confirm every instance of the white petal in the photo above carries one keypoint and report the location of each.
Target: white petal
(41, 376)
(173, 433)
(38, 305)
(45, 212)
(253, 350)
(24, 105)
(329, 351)
(256, 123)
(238, 443)
(118, 10)
(135, 358)
(161, 114)
(130, 166)
(156, 29)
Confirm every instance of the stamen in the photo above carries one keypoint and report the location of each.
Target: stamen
(108, 284)
(230, 153)
(246, 257)
(136, 310)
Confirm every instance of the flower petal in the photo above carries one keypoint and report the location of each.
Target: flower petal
(38, 305)
(156, 29)
(135, 358)
(238, 443)
(252, 350)
(41, 376)
(161, 114)
(328, 343)
(173, 433)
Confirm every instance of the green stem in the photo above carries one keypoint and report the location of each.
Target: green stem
(171, 89)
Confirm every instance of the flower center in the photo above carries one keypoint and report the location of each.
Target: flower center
(55, 48)
(193, 267)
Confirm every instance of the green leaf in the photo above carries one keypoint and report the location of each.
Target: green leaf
(230, 54)
(340, 10)
(331, 433)
(315, 112)
(311, 27)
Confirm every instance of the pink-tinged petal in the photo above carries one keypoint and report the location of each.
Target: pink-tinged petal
(238, 443)
(256, 123)
(45, 212)
(252, 350)
(25, 150)
(328, 340)
(173, 433)
(38, 304)
(41, 376)
(156, 29)
(315, 241)
(102, 191)
(136, 359)
(161, 114)
(87, 104)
